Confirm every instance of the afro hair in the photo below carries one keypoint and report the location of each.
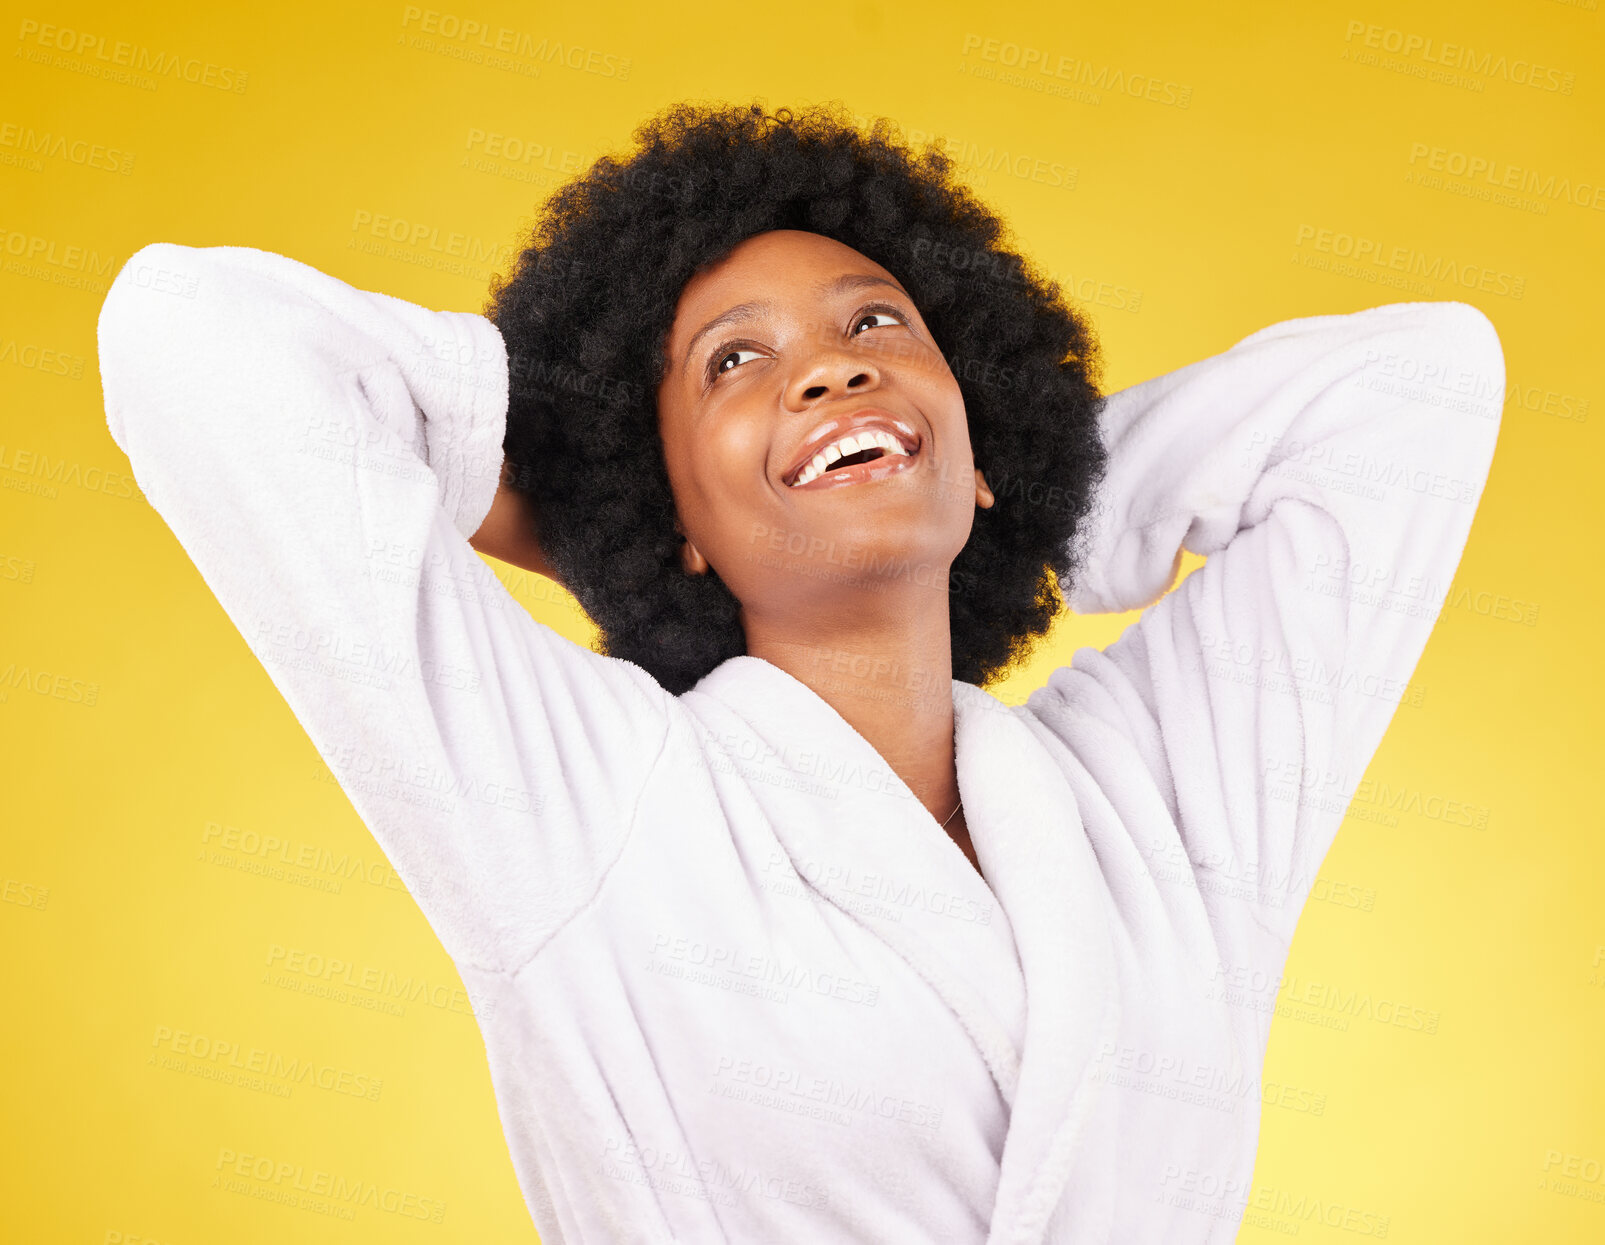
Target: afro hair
(586, 312)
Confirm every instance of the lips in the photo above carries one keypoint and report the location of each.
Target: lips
(869, 443)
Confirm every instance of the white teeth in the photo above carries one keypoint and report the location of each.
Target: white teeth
(869, 439)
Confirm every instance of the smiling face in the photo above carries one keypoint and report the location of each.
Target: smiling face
(816, 440)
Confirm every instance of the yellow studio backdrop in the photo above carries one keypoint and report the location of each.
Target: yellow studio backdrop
(184, 884)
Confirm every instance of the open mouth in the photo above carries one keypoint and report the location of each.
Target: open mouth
(864, 452)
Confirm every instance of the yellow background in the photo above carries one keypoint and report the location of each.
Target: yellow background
(118, 923)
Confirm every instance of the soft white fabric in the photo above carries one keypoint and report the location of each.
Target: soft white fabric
(735, 983)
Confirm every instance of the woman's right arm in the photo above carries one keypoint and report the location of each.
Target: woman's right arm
(509, 532)
(324, 455)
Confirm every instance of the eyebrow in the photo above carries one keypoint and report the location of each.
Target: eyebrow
(742, 312)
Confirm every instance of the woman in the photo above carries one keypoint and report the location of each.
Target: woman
(778, 927)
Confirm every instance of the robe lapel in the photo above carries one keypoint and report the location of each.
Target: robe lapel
(857, 836)
(1044, 879)
(1027, 832)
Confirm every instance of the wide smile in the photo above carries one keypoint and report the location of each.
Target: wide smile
(867, 445)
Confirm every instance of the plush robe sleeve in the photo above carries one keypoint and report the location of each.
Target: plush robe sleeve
(322, 454)
(1328, 468)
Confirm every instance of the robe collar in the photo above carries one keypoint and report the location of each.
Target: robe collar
(1039, 869)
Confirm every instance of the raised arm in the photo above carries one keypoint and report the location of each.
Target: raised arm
(323, 454)
(1328, 469)
(510, 531)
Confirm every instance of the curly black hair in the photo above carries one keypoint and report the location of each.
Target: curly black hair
(588, 306)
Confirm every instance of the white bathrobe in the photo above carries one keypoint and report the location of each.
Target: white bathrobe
(735, 983)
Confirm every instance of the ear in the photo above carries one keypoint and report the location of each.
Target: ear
(983, 494)
(692, 560)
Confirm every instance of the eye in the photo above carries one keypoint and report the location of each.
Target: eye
(730, 350)
(716, 363)
(870, 312)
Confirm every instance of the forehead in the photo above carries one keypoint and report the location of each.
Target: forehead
(781, 264)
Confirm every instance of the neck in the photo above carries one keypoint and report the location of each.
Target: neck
(889, 672)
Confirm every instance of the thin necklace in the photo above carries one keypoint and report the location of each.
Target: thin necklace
(954, 813)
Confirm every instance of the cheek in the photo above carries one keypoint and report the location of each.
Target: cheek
(953, 404)
(730, 452)
(720, 477)
(939, 393)
(948, 414)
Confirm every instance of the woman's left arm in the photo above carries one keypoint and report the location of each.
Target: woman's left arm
(1328, 469)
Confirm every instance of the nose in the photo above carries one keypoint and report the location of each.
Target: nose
(830, 368)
